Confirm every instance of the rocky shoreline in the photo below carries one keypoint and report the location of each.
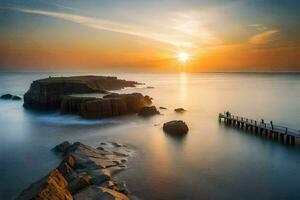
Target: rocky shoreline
(84, 173)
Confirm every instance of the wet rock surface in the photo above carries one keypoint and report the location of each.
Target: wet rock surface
(48, 93)
(148, 111)
(84, 173)
(176, 127)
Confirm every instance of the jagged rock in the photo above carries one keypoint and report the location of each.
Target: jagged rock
(179, 110)
(176, 127)
(51, 187)
(148, 111)
(85, 173)
(48, 93)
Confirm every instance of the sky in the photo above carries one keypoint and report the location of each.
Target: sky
(143, 35)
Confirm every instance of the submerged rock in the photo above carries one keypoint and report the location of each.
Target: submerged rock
(85, 173)
(179, 110)
(176, 127)
(48, 93)
(148, 111)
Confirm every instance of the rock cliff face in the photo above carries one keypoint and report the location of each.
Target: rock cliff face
(85, 173)
(47, 93)
(108, 106)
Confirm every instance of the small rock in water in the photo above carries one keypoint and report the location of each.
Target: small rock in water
(14, 97)
(163, 108)
(179, 110)
(148, 111)
(10, 96)
(150, 87)
(176, 127)
(6, 96)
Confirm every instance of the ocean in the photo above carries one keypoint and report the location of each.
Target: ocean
(211, 162)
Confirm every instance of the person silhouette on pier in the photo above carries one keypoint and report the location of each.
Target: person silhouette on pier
(271, 122)
(262, 121)
(228, 114)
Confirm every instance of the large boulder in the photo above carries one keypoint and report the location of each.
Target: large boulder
(148, 111)
(48, 93)
(176, 127)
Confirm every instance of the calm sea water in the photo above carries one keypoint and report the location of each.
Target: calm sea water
(211, 162)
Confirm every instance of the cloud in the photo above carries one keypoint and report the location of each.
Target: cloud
(264, 37)
(259, 27)
(108, 25)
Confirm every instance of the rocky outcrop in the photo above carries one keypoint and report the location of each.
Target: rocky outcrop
(109, 106)
(10, 96)
(85, 173)
(48, 93)
(176, 127)
(148, 111)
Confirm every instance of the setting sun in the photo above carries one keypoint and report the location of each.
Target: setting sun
(183, 56)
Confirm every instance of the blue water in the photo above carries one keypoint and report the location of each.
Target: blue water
(211, 162)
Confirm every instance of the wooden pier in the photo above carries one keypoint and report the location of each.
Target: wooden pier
(276, 132)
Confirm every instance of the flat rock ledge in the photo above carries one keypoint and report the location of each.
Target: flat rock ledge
(86, 173)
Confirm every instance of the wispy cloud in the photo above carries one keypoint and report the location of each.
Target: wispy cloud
(259, 27)
(108, 25)
(264, 37)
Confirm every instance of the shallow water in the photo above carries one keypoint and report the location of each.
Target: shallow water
(211, 162)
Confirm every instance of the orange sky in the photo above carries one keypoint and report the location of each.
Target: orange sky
(218, 37)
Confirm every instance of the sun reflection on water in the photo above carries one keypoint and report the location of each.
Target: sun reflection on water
(183, 87)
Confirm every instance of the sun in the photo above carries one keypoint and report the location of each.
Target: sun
(183, 56)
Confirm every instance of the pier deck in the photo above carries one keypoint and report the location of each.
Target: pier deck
(277, 131)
